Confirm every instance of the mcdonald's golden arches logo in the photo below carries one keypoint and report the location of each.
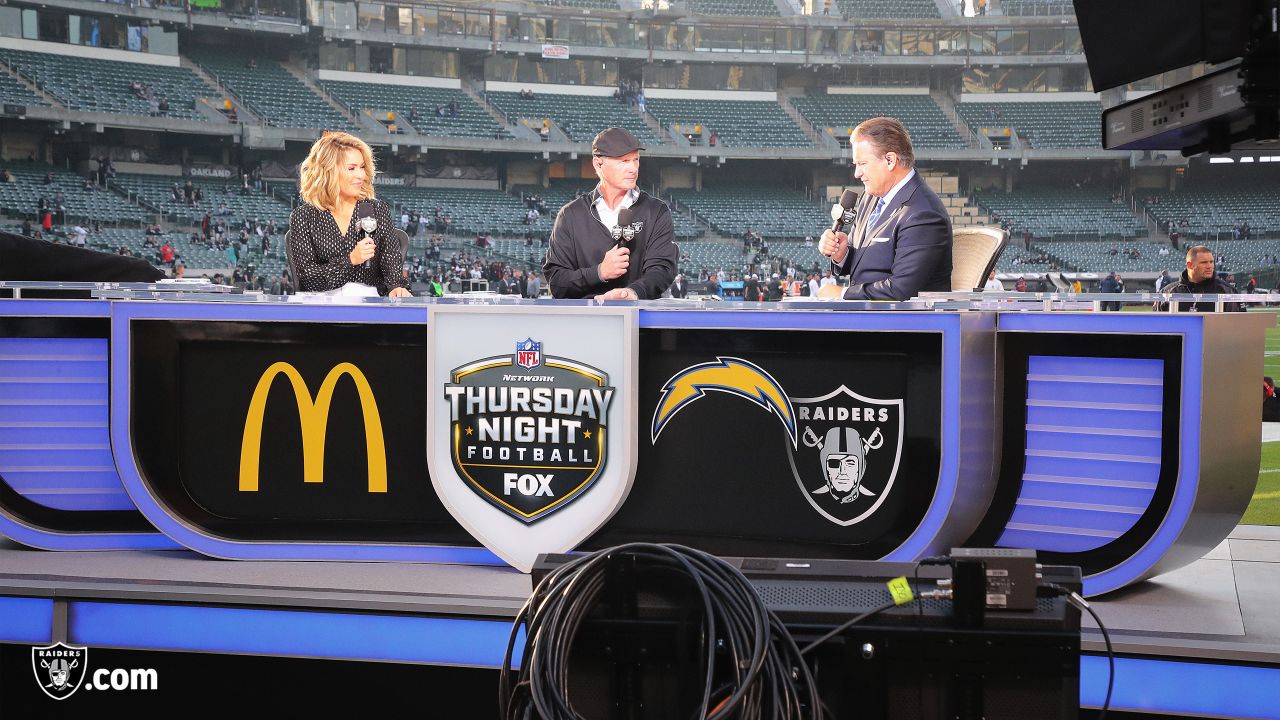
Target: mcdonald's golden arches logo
(314, 418)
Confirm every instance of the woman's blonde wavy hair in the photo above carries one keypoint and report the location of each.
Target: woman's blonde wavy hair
(319, 172)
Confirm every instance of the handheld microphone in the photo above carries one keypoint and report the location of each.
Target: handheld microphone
(368, 223)
(848, 201)
(619, 231)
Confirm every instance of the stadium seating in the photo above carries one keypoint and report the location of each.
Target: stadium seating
(20, 198)
(157, 190)
(12, 91)
(924, 120)
(579, 116)
(269, 90)
(736, 123)
(1210, 205)
(472, 211)
(1037, 7)
(1106, 256)
(773, 212)
(1016, 258)
(96, 85)
(1040, 124)
(893, 9)
(1061, 213)
(471, 120)
(582, 4)
(750, 8)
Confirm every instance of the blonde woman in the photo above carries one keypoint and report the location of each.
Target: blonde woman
(326, 243)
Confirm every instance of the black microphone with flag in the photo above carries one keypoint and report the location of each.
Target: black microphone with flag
(368, 223)
(619, 231)
(848, 201)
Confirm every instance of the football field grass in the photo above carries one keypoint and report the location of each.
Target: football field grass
(1265, 508)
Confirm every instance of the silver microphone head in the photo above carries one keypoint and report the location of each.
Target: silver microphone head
(368, 224)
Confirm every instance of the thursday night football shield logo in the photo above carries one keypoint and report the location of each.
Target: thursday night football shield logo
(531, 440)
(528, 443)
(59, 668)
(848, 455)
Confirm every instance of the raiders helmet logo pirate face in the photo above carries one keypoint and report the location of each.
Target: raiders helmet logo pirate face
(848, 455)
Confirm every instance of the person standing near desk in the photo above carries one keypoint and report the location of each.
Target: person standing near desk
(326, 243)
(585, 259)
(1200, 278)
(900, 244)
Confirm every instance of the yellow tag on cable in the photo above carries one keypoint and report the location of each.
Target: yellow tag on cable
(900, 589)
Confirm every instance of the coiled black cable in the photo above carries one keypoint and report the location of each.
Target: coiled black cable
(741, 639)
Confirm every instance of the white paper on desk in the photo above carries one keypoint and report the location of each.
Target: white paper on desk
(352, 289)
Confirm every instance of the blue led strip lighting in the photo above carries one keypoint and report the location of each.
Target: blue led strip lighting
(59, 446)
(26, 620)
(1182, 688)
(54, 446)
(1191, 329)
(397, 638)
(1092, 451)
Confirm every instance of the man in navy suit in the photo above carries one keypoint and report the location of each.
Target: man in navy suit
(900, 244)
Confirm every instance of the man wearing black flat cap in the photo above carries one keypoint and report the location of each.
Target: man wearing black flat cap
(614, 243)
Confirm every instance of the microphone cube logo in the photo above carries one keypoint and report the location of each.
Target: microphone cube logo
(59, 669)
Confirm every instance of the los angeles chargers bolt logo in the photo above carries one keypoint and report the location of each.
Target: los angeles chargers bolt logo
(844, 449)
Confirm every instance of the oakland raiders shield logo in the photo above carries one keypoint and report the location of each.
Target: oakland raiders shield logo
(59, 668)
(531, 412)
(848, 455)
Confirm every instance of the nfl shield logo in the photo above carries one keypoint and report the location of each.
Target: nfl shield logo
(528, 353)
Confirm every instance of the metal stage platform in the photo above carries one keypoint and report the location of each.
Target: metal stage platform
(1203, 640)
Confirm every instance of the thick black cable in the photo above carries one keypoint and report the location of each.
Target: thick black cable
(765, 674)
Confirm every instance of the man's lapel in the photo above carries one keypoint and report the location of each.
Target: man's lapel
(888, 216)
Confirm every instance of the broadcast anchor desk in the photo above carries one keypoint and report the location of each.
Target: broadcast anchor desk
(423, 436)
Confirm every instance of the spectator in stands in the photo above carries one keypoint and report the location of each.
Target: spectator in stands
(6, 176)
(1200, 278)
(48, 178)
(585, 260)
(1164, 279)
(82, 235)
(901, 244)
(163, 106)
(324, 242)
(26, 227)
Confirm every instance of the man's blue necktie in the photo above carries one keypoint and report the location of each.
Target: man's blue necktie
(875, 214)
